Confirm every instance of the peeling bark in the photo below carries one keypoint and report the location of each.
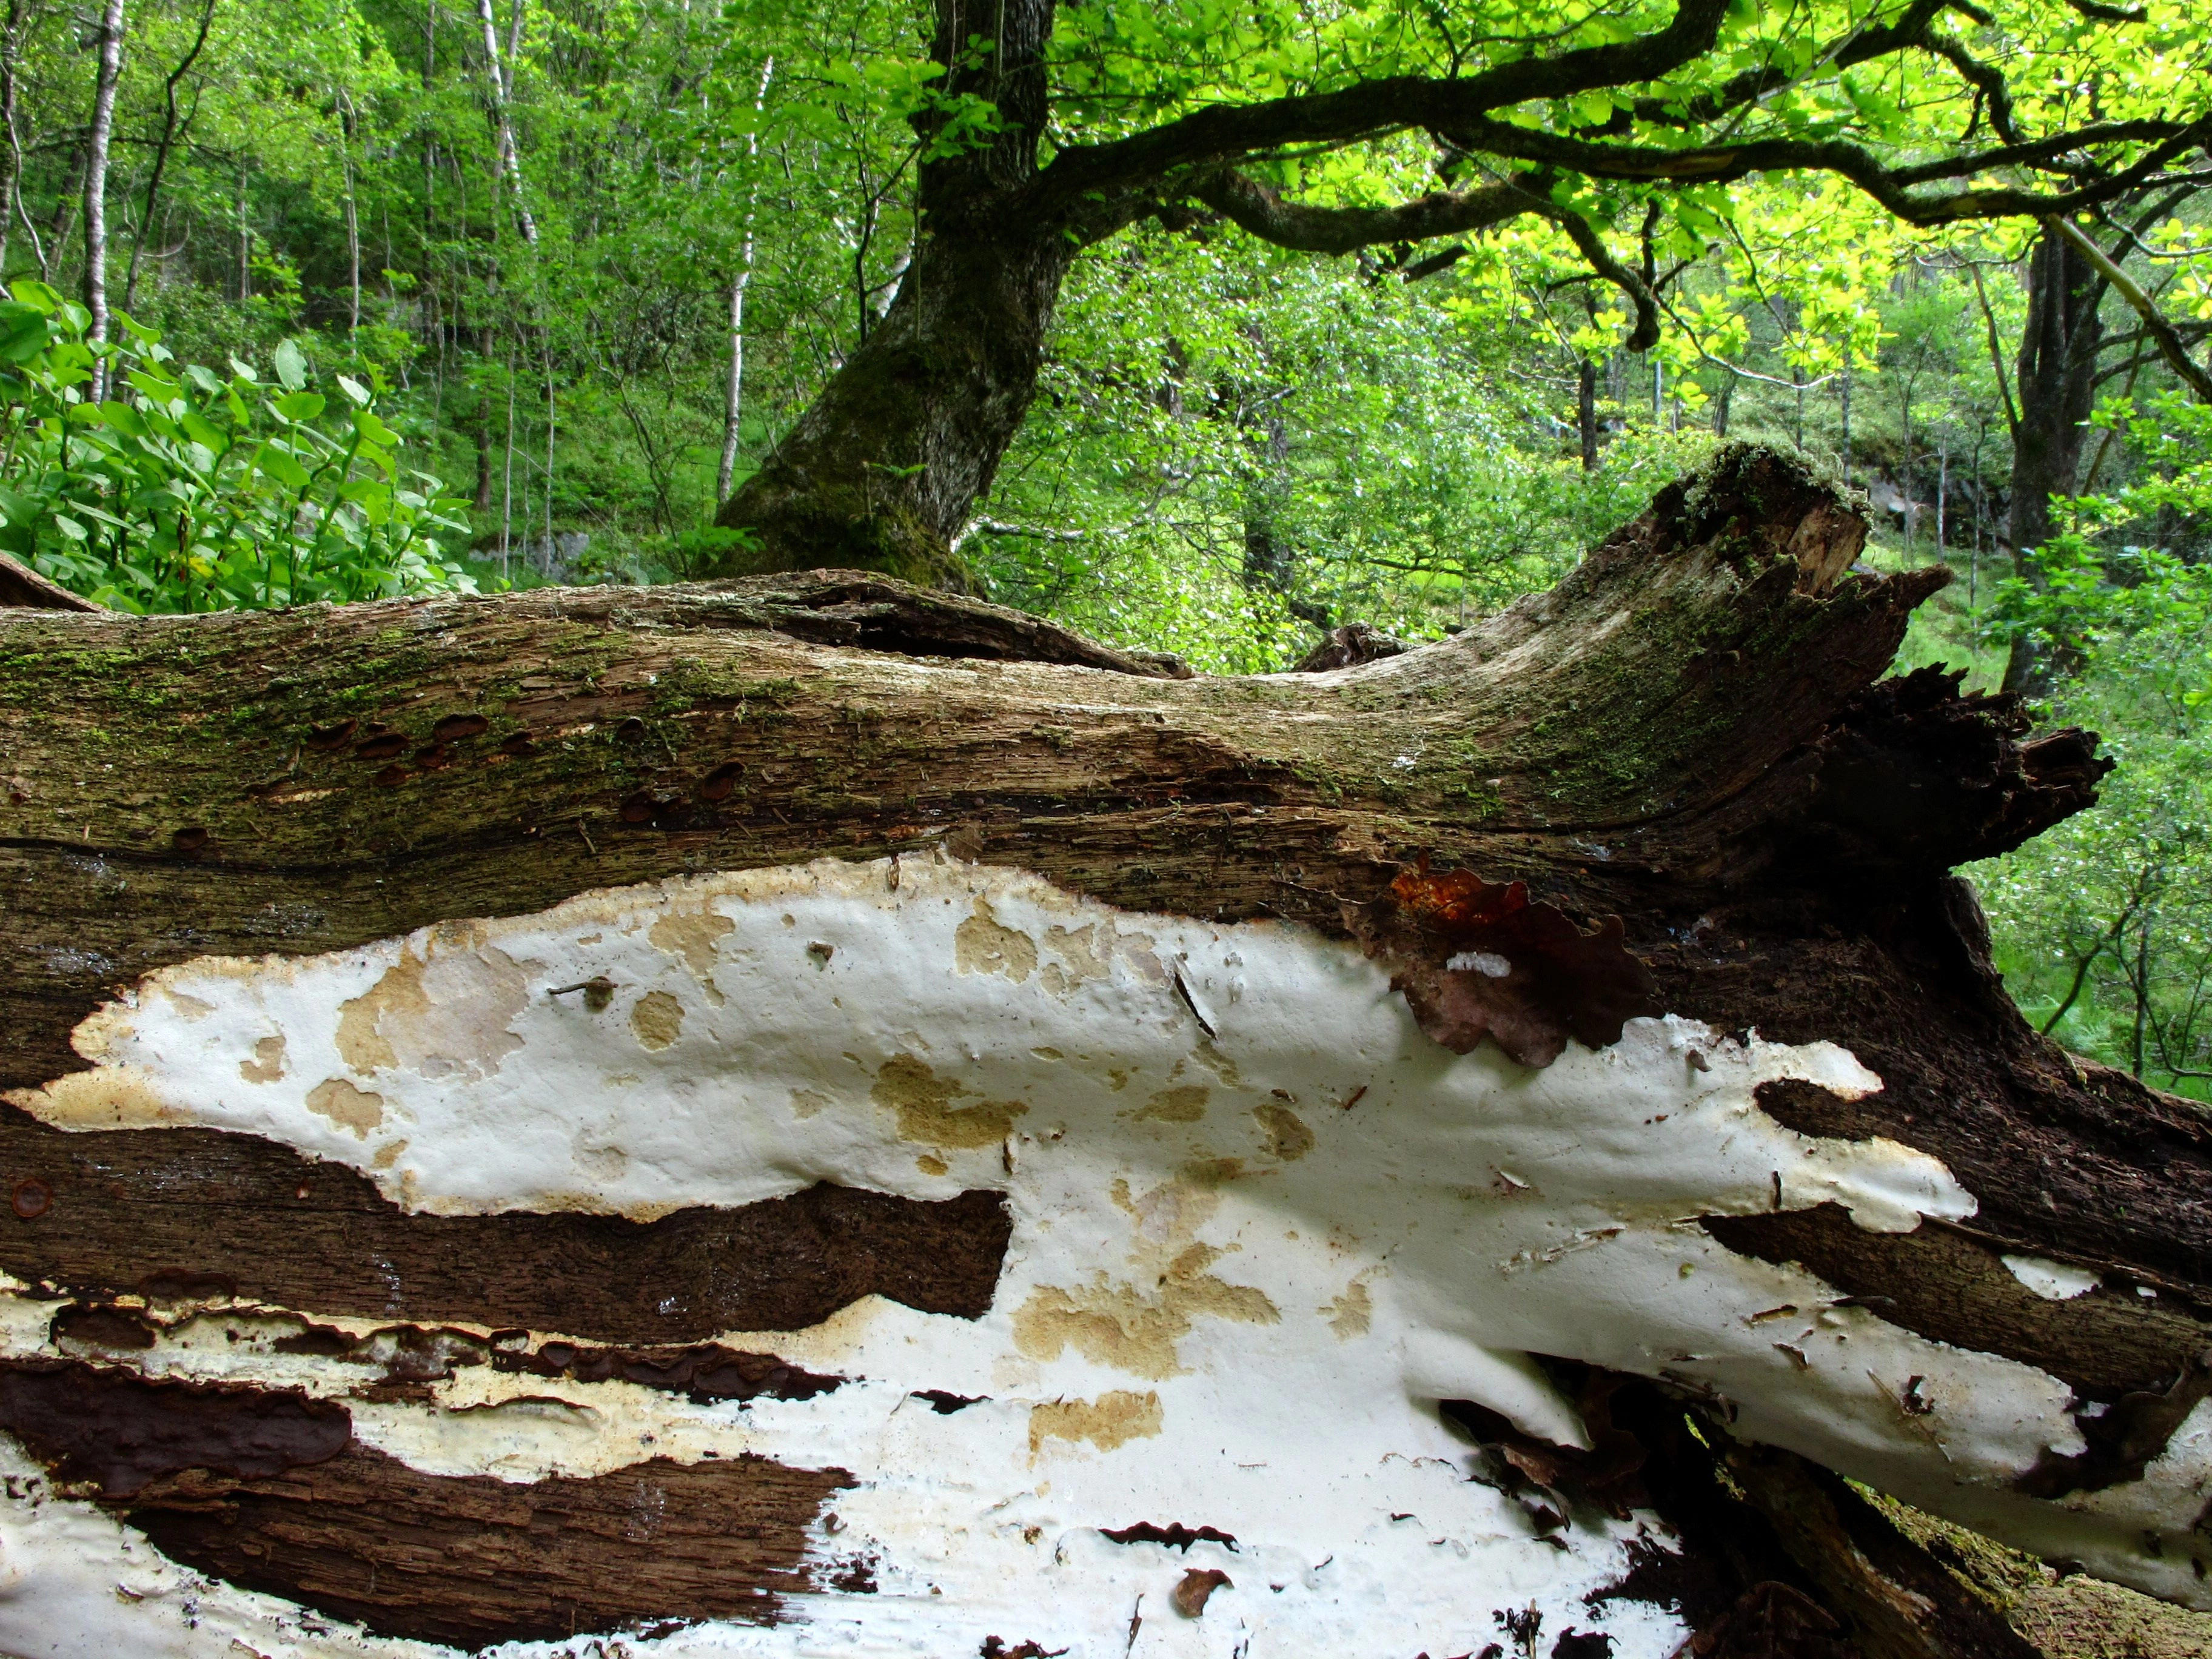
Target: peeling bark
(1673, 786)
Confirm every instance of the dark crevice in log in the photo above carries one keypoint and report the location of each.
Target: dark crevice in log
(190, 1214)
(407, 1359)
(860, 610)
(1775, 1559)
(268, 1490)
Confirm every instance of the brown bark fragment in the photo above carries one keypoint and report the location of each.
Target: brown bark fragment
(269, 1490)
(119, 1431)
(474, 1561)
(20, 585)
(190, 1214)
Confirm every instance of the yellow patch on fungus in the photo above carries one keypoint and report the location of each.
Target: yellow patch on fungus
(657, 1019)
(346, 1106)
(443, 1015)
(980, 944)
(1113, 1419)
(1350, 1314)
(1185, 1104)
(696, 936)
(268, 1062)
(108, 1097)
(930, 1164)
(923, 1101)
(1287, 1136)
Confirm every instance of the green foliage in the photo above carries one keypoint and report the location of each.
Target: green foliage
(2104, 923)
(194, 492)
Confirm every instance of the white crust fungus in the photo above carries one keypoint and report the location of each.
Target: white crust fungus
(1261, 1225)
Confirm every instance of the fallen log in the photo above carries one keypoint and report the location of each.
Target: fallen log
(806, 1110)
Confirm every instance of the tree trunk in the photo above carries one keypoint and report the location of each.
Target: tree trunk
(2056, 376)
(95, 185)
(1586, 412)
(813, 1100)
(883, 470)
(497, 79)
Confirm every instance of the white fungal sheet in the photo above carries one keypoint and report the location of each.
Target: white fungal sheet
(1243, 1267)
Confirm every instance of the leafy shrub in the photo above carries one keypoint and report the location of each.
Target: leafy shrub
(184, 490)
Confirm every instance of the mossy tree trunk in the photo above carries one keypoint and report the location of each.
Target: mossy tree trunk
(1719, 814)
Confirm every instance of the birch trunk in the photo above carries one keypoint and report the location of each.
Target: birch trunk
(819, 1106)
(97, 138)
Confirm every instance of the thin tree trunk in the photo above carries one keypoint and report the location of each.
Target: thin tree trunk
(1639, 1095)
(1586, 411)
(11, 53)
(97, 138)
(244, 241)
(2055, 375)
(496, 75)
(161, 150)
(352, 215)
(734, 390)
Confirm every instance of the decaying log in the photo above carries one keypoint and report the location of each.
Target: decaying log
(804, 1106)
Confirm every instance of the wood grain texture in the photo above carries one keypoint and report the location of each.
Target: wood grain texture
(185, 1214)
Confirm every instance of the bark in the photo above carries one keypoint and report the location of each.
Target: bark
(2056, 375)
(1715, 811)
(98, 134)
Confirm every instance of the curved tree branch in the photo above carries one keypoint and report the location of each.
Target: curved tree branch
(1890, 186)
(1592, 247)
(1370, 109)
(1260, 210)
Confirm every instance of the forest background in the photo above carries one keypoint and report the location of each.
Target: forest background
(330, 299)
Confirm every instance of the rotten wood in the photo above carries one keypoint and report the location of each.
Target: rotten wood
(183, 1215)
(1683, 753)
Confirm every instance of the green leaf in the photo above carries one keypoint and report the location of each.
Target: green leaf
(354, 389)
(300, 405)
(279, 464)
(291, 366)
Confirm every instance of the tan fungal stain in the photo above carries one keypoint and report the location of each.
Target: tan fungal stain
(805, 1102)
(1287, 1136)
(109, 1097)
(1113, 1419)
(1217, 1063)
(346, 1106)
(1134, 1326)
(1350, 1314)
(923, 1101)
(981, 945)
(696, 936)
(387, 1154)
(657, 1019)
(443, 1015)
(1185, 1104)
(1078, 950)
(930, 1164)
(186, 1003)
(268, 1062)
